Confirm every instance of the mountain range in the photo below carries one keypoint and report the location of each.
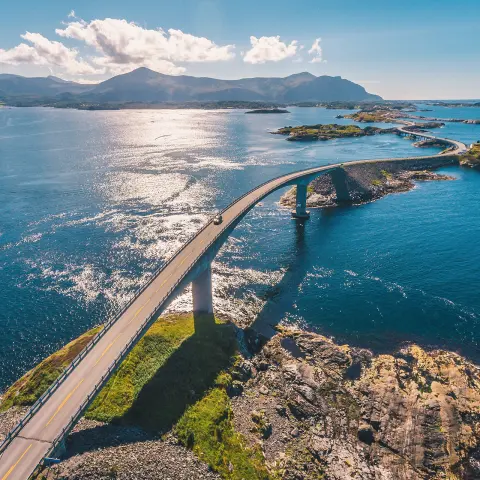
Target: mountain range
(146, 86)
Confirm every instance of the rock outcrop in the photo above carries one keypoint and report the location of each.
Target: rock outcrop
(472, 157)
(356, 184)
(338, 412)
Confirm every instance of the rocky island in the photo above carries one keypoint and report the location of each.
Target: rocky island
(328, 132)
(388, 114)
(472, 157)
(268, 110)
(190, 402)
(357, 184)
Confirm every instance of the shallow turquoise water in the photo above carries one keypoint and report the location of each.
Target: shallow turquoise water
(92, 202)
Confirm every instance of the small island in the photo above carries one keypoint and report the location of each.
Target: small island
(472, 157)
(358, 184)
(329, 132)
(389, 115)
(268, 110)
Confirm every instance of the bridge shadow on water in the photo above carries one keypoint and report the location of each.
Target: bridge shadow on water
(181, 381)
(281, 298)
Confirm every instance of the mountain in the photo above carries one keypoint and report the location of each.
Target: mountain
(147, 86)
(16, 85)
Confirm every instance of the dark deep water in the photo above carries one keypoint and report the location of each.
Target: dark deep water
(92, 202)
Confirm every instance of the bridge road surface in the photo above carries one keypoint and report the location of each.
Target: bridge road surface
(34, 441)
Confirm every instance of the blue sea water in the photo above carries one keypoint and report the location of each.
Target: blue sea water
(92, 202)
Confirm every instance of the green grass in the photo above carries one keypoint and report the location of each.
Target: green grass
(174, 364)
(34, 383)
(207, 429)
(377, 183)
(386, 174)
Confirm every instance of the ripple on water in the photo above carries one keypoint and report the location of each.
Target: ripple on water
(89, 209)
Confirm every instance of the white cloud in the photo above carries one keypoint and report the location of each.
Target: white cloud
(120, 47)
(316, 51)
(125, 45)
(269, 49)
(42, 51)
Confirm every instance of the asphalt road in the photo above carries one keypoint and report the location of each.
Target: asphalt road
(34, 441)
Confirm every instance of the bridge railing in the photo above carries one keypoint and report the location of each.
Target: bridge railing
(133, 341)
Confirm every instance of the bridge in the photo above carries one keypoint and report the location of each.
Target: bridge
(41, 433)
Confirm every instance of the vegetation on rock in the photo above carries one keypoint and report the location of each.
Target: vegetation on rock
(34, 383)
(173, 365)
(176, 376)
(328, 132)
(472, 157)
(207, 429)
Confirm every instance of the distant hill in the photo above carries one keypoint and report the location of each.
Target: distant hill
(147, 86)
(16, 85)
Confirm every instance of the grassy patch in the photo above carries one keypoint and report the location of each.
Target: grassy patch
(172, 367)
(377, 183)
(386, 174)
(34, 383)
(207, 429)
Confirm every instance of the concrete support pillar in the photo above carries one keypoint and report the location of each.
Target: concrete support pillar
(301, 202)
(202, 292)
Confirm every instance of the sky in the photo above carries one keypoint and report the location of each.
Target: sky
(428, 49)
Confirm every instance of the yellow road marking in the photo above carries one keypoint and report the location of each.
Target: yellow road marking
(64, 402)
(12, 468)
(109, 346)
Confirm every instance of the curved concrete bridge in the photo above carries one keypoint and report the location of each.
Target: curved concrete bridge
(42, 431)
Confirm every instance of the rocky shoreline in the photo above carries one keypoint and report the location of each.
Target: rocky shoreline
(315, 409)
(322, 410)
(364, 186)
(305, 408)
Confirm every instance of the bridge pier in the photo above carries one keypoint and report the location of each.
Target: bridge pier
(202, 292)
(301, 202)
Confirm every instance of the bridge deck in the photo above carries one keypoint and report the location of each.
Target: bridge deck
(62, 408)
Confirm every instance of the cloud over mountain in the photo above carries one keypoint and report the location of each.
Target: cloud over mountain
(316, 52)
(102, 48)
(119, 47)
(269, 49)
(123, 45)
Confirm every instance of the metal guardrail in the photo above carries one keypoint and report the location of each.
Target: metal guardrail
(49, 392)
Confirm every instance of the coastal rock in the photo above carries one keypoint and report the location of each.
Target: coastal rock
(414, 414)
(354, 184)
(329, 132)
(472, 157)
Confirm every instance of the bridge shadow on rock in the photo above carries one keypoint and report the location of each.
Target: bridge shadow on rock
(281, 298)
(187, 374)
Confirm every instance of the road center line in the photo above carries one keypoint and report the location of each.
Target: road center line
(63, 403)
(12, 468)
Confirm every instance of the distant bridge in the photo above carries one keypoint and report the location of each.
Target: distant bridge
(42, 431)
